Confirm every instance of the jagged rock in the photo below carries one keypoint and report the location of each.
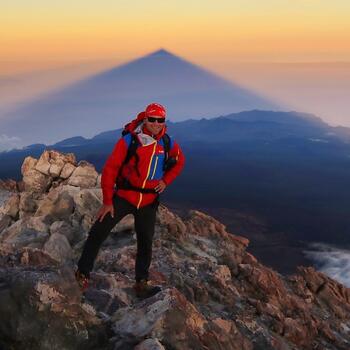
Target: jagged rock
(35, 257)
(21, 235)
(60, 208)
(34, 180)
(59, 248)
(174, 227)
(43, 164)
(84, 176)
(5, 221)
(52, 162)
(169, 317)
(11, 206)
(41, 310)
(64, 228)
(88, 201)
(8, 185)
(28, 202)
(150, 344)
(215, 294)
(37, 223)
(67, 170)
(98, 182)
(222, 275)
(58, 161)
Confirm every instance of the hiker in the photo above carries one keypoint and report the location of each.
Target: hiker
(144, 161)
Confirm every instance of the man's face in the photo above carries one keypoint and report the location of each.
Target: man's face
(153, 125)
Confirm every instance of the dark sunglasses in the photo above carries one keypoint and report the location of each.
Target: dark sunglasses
(153, 120)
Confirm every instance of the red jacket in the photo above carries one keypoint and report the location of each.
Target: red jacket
(150, 169)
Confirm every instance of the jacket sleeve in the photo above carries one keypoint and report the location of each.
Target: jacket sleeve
(175, 171)
(111, 169)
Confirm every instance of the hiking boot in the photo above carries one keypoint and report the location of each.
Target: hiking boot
(144, 290)
(83, 280)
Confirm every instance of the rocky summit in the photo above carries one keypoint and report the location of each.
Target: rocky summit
(215, 294)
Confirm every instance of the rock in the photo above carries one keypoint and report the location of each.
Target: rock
(8, 185)
(67, 170)
(222, 275)
(60, 208)
(34, 180)
(5, 222)
(35, 257)
(150, 344)
(173, 227)
(84, 176)
(52, 162)
(51, 315)
(11, 207)
(98, 182)
(88, 202)
(73, 234)
(28, 202)
(215, 294)
(43, 164)
(38, 223)
(59, 248)
(20, 235)
(59, 161)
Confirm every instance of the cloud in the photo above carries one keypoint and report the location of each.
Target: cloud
(9, 142)
(334, 262)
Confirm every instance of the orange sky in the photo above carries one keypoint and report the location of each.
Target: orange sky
(47, 34)
(237, 39)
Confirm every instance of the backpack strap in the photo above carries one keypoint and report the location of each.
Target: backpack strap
(132, 152)
(167, 145)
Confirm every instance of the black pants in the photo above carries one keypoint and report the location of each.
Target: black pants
(145, 219)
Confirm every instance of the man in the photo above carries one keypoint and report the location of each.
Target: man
(139, 179)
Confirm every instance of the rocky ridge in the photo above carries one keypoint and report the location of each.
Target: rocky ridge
(215, 295)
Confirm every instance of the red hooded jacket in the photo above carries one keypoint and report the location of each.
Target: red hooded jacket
(149, 166)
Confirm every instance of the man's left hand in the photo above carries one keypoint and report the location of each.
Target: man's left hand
(160, 187)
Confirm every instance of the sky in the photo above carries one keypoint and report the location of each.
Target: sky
(295, 51)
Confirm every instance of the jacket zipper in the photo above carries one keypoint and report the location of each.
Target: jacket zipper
(148, 170)
(155, 167)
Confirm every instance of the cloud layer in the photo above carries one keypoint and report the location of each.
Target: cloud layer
(334, 262)
(9, 142)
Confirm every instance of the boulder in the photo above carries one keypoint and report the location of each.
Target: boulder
(84, 176)
(34, 180)
(150, 344)
(59, 248)
(21, 235)
(42, 310)
(11, 206)
(28, 202)
(67, 170)
(73, 234)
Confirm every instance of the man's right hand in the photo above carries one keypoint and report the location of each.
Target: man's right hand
(104, 210)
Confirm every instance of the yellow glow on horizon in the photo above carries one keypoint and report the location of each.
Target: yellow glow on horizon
(271, 30)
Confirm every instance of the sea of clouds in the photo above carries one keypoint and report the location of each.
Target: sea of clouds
(332, 261)
(9, 142)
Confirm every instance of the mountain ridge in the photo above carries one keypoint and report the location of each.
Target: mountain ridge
(215, 294)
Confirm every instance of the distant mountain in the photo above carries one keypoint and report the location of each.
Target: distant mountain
(253, 127)
(285, 173)
(111, 98)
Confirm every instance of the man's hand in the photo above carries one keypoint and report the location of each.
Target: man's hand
(160, 187)
(105, 209)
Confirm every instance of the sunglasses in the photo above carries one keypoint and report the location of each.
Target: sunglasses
(153, 120)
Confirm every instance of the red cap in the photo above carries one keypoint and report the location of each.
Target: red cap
(155, 109)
